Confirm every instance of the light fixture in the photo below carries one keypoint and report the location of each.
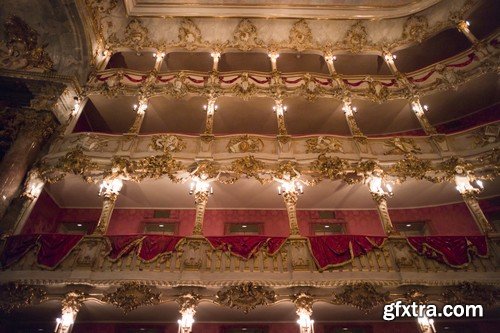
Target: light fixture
(394, 56)
(327, 226)
(288, 187)
(109, 187)
(187, 321)
(306, 324)
(468, 23)
(79, 225)
(161, 225)
(76, 105)
(142, 107)
(426, 324)
(244, 226)
(479, 183)
(200, 186)
(408, 225)
(426, 107)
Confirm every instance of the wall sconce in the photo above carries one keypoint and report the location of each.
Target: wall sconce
(142, 107)
(426, 325)
(306, 324)
(291, 187)
(186, 322)
(200, 186)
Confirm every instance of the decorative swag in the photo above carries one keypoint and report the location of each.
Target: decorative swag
(147, 247)
(455, 251)
(246, 246)
(52, 248)
(337, 250)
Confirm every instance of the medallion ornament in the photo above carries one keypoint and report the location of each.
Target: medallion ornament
(324, 144)
(411, 167)
(245, 296)
(189, 35)
(248, 166)
(301, 36)
(245, 36)
(356, 38)
(132, 295)
(415, 28)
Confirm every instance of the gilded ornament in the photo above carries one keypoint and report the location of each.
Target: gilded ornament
(411, 167)
(157, 166)
(303, 300)
(14, 296)
(167, 143)
(362, 296)
(187, 301)
(21, 49)
(248, 166)
(415, 28)
(73, 300)
(470, 293)
(356, 38)
(376, 91)
(301, 37)
(76, 162)
(399, 146)
(244, 88)
(245, 36)
(330, 167)
(324, 144)
(449, 77)
(486, 136)
(245, 144)
(131, 295)
(189, 35)
(416, 296)
(245, 296)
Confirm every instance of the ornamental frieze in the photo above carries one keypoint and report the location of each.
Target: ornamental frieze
(362, 296)
(245, 297)
(132, 295)
(14, 296)
(246, 34)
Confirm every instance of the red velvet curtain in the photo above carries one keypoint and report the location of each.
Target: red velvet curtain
(246, 246)
(337, 250)
(16, 247)
(454, 251)
(148, 247)
(55, 247)
(153, 246)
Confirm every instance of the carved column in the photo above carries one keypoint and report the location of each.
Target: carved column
(417, 108)
(71, 304)
(349, 114)
(32, 190)
(290, 198)
(160, 55)
(79, 105)
(107, 210)
(274, 58)
(329, 59)
(389, 60)
(280, 110)
(216, 57)
(35, 127)
(210, 107)
(200, 200)
(463, 26)
(140, 110)
(383, 213)
(476, 211)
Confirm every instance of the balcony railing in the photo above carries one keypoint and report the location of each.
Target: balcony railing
(196, 260)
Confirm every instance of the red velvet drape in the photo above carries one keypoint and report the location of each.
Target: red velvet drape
(246, 246)
(147, 247)
(454, 251)
(337, 250)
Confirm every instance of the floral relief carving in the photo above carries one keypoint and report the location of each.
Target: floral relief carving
(248, 166)
(245, 144)
(14, 296)
(356, 38)
(167, 143)
(399, 146)
(132, 295)
(21, 49)
(324, 144)
(362, 296)
(470, 293)
(189, 34)
(301, 36)
(245, 36)
(244, 88)
(411, 167)
(246, 296)
(136, 36)
(415, 28)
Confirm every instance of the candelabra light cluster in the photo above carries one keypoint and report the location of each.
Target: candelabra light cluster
(110, 187)
(426, 325)
(186, 322)
(464, 181)
(64, 322)
(306, 324)
(200, 186)
(141, 107)
(287, 187)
